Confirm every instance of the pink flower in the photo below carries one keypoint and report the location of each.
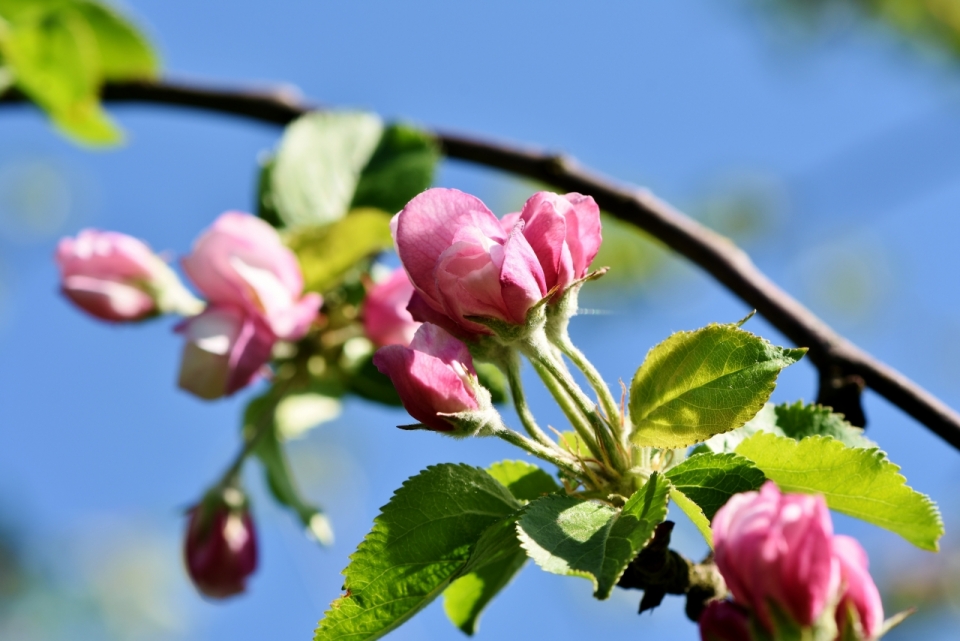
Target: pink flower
(564, 232)
(226, 350)
(777, 547)
(241, 261)
(462, 263)
(724, 621)
(220, 550)
(109, 275)
(433, 376)
(859, 592)
(386, 320)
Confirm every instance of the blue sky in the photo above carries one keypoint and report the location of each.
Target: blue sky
(849, 138)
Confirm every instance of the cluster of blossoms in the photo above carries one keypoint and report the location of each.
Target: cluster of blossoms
(790, 576)
(251, 280)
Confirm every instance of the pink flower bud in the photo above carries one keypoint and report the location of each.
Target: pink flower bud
(225, 351)
(859, 592)
(773, 547)
(724, 621)
(433, 376)
(462, 263)
(386, 320)
(241, 261)
(564, 232)
(220, 549)
(110, 275)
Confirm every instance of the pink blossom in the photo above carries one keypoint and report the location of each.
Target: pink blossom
(241, 261)
(109, 275)
(859, 592)
(220, 550)
(386, 320)
(462, 263)
(564, 232)
(226, 350)
(777, 547)
(432, 376)
(724, 621)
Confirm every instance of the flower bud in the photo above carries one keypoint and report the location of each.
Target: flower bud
(435, 379)
(220, 548)
(724, 621)
(777, 548)
(225, 351)
(386, 320)
(116, 277)
(241, 261)
(564, 232)
(462, 263)
(859, 594)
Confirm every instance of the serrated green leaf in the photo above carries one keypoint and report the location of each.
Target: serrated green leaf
(798, 421)
(526, 481)
(693, 511)
(709, 480)
(400, 168)
(424, 538)
(327, 252)
(260, 414)
(566, 535)
(317, 166)
(697, 384)
(467, 597)
(859, 482)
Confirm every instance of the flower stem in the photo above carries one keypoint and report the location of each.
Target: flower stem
(607, 401)
(579, 422)
(540, 451)
(511, 367)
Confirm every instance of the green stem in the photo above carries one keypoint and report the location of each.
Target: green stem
(511, 367)
(540, 451)
(607, 401)
(261, 426)
(579, 422)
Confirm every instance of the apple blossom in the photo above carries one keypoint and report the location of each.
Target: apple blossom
(386, 320)
(220, 549)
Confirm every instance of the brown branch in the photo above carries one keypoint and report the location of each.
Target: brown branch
(843, 367)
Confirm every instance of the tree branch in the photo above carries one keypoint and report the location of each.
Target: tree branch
(842, 366)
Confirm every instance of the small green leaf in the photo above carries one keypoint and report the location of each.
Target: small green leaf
(328, 252)
(566, 535)
(493, 379)
(709, 480)
(467, 597)
(125, 54)
(693, 511)
(859, 482)
(369, 383)
(697, 384)
(571, 442)
(798, 421)
(317, 166)
(400, 168)
(446, 521)
(279, 476)
(526, 481)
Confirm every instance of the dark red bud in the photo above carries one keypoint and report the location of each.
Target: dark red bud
(220, 550)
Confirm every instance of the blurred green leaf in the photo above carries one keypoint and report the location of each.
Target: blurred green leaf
(125, 54)
(313, 177)
(260, 415)
(401, 167)
(367, 382)
(493, 379)
(327, 252)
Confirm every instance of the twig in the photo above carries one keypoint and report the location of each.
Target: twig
(837, 360)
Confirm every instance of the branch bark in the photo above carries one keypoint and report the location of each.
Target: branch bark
(843, 367)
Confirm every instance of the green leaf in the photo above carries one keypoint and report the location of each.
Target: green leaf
(467, 597)
(697, 384)
(493, 379)
(693, 511)
(526, 481)
(328, 252)
(300, 412)
(798, 421)
(369, 383)
(447, 521)
(401, 167)
(317, 166)
(764, 421)
(859, 482)
(125, 54)
(709, 480)
(269, 450)
(566, 535)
